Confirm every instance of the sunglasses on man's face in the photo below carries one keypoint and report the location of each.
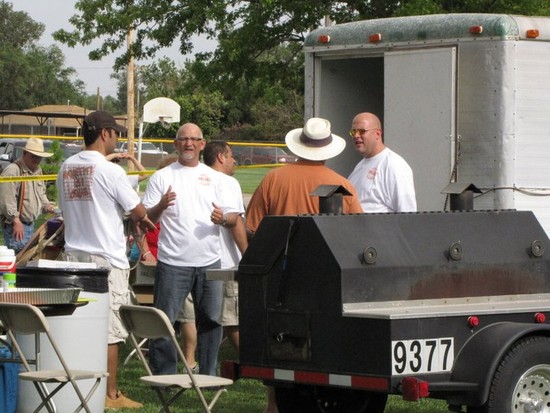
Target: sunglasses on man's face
(361, 132)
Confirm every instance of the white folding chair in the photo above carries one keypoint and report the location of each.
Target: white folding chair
(152, 323)
(28, 319)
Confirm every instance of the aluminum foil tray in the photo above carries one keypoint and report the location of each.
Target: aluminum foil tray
(40, 296)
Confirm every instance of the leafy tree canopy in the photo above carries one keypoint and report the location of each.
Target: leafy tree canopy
(17, 28)
(252, 84)
(31, 75)
(255, 26)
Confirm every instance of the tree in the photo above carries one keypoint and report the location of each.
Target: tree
(201, 105)
(31, 75)
(525, 7)
(156, 25)
(258, 63)
(36, 76)
(17, 28)
(252, 25)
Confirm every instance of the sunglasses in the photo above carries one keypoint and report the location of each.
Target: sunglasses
(352, 132)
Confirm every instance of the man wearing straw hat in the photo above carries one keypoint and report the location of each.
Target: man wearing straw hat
(22, 202)
(286, 190)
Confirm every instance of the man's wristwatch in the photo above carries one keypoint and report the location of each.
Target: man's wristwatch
(224, 221)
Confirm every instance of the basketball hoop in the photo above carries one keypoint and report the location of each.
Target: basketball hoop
(163, 110)
(165, 121)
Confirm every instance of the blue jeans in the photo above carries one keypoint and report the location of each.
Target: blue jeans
(172, 285)
(9, 240)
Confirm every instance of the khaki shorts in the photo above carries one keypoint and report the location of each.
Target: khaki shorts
(230, 304)
(119, 294)
(187, 312)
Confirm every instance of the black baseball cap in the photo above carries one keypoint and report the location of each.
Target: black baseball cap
(102, 120)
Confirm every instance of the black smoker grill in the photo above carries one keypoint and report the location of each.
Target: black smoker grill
(352, 294)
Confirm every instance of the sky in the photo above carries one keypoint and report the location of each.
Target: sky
(55, 15)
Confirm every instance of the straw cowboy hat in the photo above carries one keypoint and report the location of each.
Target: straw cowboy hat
(36, 147)
(315, 141)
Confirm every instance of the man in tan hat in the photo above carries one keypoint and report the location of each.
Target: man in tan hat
(22, 202)
(286, 190)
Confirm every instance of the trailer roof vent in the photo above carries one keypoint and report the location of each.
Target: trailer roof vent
(462, 195)
(331, 198)
(375, 38)
(476, 29)
(324, 38)
(532, 33)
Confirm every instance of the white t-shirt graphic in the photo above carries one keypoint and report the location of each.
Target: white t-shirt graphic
(384, 183)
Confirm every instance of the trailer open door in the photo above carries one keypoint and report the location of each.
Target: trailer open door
(420, 117)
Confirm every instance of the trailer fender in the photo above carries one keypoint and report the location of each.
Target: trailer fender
(478, 359)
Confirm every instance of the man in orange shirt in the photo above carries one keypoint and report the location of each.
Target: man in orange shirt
(286, 190)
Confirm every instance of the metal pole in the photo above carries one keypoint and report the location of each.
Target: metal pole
(130, 98)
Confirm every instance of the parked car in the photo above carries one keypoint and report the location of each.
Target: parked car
(255, 155)
(70, 149)
(7, 150)
(12, 148)
(146, 147)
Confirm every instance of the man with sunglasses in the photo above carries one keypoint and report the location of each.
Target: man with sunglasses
(22, 202)
(383, 179)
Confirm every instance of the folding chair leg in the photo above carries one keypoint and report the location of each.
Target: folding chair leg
(84, 403)
(166, 403)
(216, 397)
(47, 397)
(133, 352)
(44, 395)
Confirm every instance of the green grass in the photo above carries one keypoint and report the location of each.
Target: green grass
(249, 178)
(244, 396)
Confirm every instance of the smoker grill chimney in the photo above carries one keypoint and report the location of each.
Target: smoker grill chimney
(462, 195)
(331, 198)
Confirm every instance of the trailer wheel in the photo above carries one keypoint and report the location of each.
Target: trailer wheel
(521, 382)
(312, 399)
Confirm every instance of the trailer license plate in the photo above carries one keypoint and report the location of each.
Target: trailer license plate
(431, 355)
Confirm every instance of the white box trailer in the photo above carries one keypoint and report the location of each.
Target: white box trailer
(463, 98)
(339, 311)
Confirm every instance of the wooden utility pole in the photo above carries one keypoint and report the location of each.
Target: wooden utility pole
(130, 97)
(98, 103)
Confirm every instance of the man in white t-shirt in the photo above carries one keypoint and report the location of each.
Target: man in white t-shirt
(219, 156)
(188, 245)
(93, 196)
(383, 179)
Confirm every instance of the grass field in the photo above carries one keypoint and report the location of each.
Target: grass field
(249, 178)
(244, 396)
